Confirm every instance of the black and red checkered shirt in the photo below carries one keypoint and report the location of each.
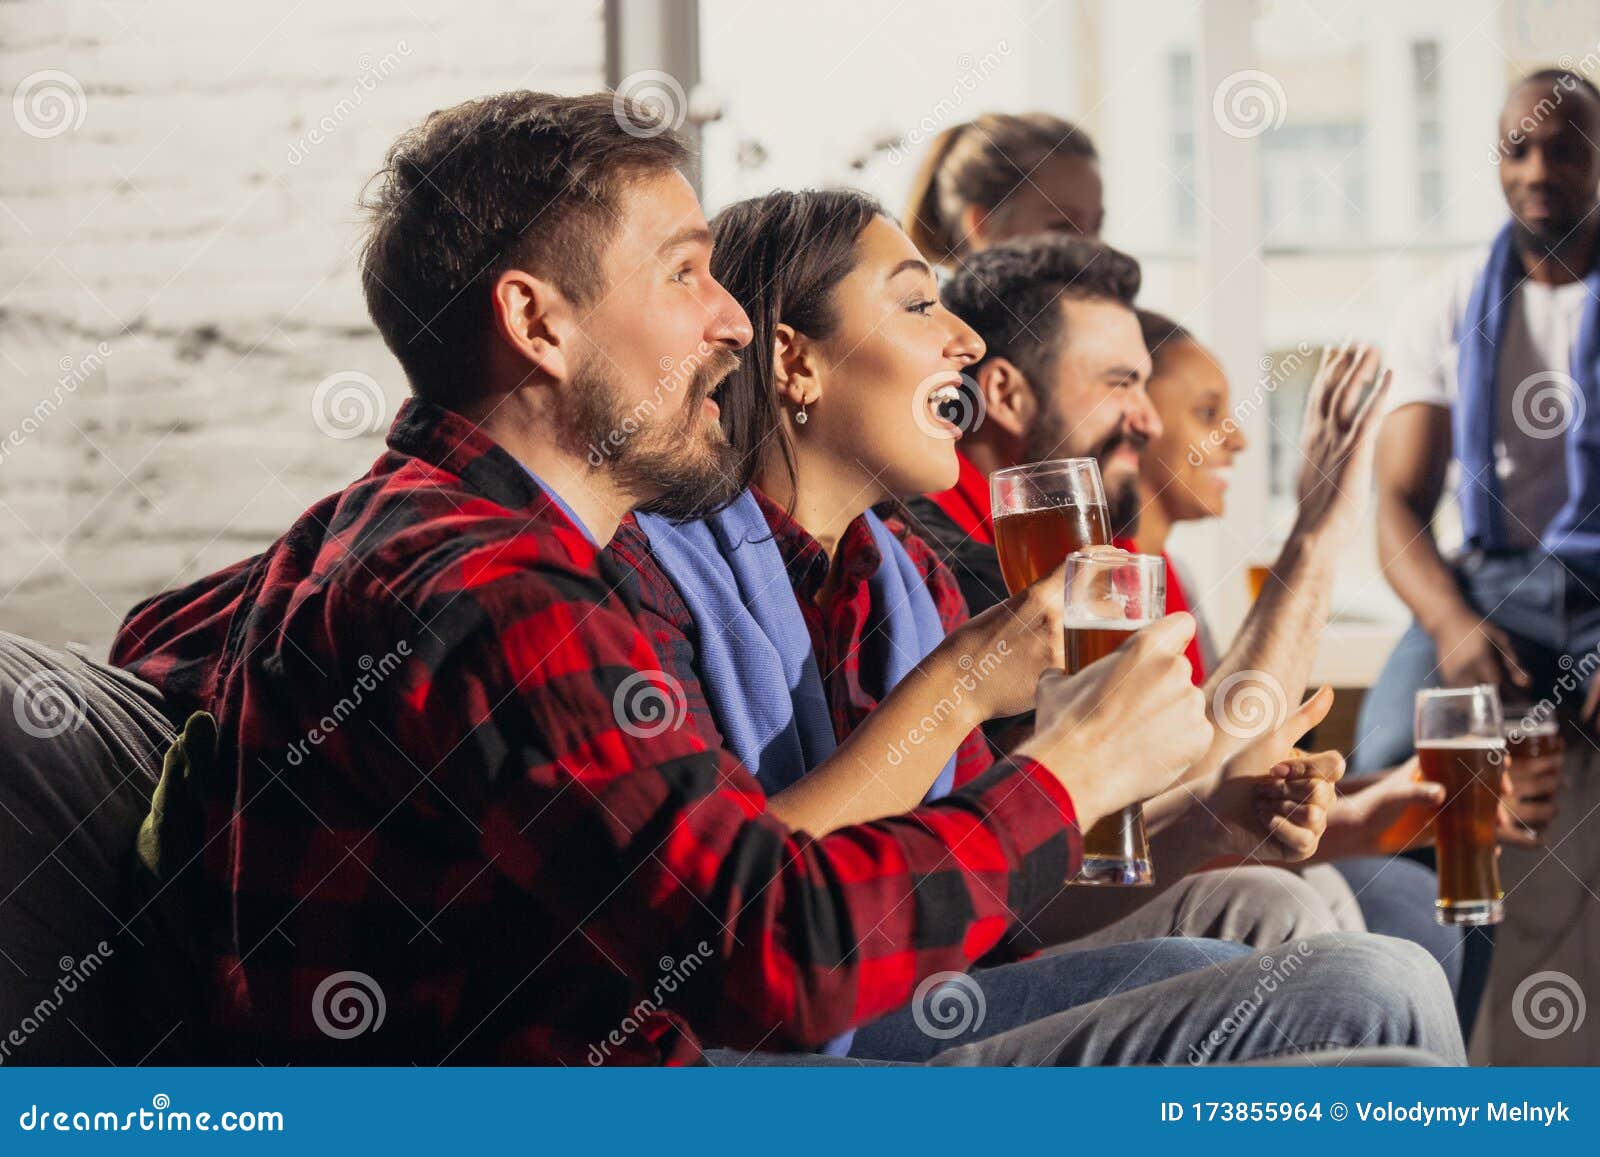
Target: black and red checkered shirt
(426, 789)
(838, 624)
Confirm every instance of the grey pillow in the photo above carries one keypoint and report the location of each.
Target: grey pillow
(81, 746)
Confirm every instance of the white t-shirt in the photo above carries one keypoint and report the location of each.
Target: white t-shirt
(1535, 354)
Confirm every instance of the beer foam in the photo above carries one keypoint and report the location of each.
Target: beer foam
(1464, 743)
(1106, 624)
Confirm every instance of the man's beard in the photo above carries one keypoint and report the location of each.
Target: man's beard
(1046, 440)
(677, 465)
(1545, 241)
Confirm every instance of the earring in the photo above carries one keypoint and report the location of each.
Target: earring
(800, 415)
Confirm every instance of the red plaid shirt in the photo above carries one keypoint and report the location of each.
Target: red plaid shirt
(837, 627)
(424, 778)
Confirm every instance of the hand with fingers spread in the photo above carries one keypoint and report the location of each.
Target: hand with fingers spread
(1337, 443)
(1126, 727)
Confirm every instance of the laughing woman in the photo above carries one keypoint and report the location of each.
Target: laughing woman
(794, 618)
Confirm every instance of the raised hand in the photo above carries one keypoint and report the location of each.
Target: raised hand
(1337, 443)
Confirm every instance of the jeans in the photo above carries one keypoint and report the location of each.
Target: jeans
(1552, 616)
(1297, 1003)
(1256, 906)
(1013, 995)
(1396, 895)
(1385, 723)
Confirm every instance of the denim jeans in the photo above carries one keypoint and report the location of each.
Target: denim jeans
(1297, 1003)
(1013, 995)
(1552, 616)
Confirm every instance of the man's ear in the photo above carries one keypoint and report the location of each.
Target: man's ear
(537, 321)
(1008, 400)
(796, 367)
(971, 222)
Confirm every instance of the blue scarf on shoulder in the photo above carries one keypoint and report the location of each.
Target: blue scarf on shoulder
(756, 662)
(1573, 535)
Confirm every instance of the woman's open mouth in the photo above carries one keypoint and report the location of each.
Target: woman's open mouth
(945, 405)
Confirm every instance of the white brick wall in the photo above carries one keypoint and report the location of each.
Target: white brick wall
(176, 273)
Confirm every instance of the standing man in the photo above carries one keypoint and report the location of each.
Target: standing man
(1496, 381)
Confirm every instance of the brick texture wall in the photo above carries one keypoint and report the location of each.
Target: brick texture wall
(185, 361)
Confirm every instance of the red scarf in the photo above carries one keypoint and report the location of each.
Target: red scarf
(1177, 600)
(967, 502)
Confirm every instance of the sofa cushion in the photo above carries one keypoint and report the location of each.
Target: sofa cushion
(81, 746)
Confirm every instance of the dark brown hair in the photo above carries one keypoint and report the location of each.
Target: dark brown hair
(781, 256)
(1161, 333)
(1011, 294)
(522, 180)
(982, 162)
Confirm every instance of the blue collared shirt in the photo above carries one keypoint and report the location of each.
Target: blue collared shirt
(560, 502)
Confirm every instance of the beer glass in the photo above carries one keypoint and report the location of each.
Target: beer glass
(1531, 734)
(1109, 595)
(1043, 512)
(1461, 746)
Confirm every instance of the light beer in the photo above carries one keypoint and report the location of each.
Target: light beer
(1115, 850)
(1464, 827)
(1032, 543)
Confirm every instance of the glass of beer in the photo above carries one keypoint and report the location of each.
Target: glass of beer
(1110, 594)
(1461, 745)
(1530, 734)
(1043, 512)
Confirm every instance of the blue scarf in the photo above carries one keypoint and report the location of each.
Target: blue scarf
(1574, 533)
(756, 661)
